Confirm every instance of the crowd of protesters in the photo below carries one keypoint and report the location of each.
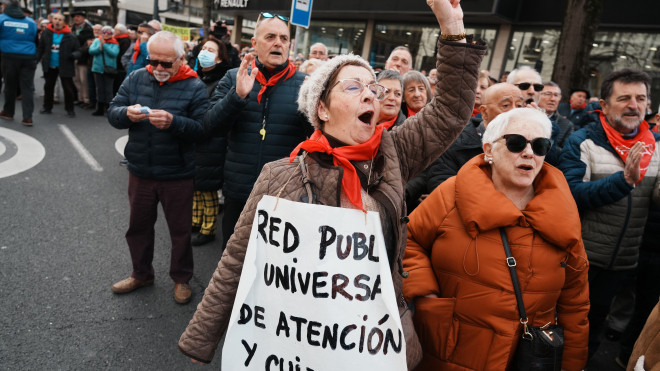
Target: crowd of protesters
(574, 183)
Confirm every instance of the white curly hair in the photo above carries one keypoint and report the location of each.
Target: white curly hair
(312, 89)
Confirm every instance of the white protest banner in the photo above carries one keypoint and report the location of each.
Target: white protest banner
(315, 293)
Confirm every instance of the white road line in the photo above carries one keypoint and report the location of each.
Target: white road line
(84, 153)
(29, 152)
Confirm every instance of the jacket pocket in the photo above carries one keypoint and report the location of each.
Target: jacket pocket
(436, 326)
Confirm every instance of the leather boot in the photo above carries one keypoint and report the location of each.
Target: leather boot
(100, 108)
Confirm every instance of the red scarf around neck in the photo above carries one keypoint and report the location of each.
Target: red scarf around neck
(342, 156)
(64, 29)
(122, 36)
(622, 145)
(388, 124)
(475, 111)
(411, 113)
(581, 106)
(184, 72)
(286, 73)
(136, 48)
(111, 40)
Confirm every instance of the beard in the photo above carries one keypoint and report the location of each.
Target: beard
(627, 122)
(161, 76)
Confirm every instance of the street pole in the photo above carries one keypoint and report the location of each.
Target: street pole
(156, 12)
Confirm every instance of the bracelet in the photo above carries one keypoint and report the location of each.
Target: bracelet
(460, 36)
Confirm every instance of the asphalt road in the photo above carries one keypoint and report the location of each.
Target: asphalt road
(62, 225)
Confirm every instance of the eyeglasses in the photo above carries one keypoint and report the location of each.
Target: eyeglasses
(155, 62)
(355, 87)
(526, 85)
(517, 143)
(271, 15)
(549, 94)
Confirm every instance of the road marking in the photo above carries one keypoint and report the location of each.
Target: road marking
(120, 144)
(84, 153)
(28, 152)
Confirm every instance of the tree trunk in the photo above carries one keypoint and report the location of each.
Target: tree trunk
(578, 31)
(206, 16)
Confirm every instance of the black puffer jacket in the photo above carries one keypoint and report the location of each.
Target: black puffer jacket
(242, 119)
(210, 154)
(69, 51)
(153, 153)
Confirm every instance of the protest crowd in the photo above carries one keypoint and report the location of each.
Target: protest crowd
(462, 221)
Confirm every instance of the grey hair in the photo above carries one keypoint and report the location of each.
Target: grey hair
(319, 44)
(390, 75)
(514, 74)
(310, 62)
(121, 27)
(155, 25)
(417, 76)
(169, 38)
(107, 28)
(498, 126)
(400, 47)
(317, 83)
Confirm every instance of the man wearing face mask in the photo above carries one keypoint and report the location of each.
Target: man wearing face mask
(162, 105)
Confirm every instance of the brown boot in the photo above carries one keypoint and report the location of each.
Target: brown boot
(130, 284)
(182, 293)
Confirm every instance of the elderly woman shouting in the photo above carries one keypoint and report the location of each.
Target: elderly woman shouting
(350, 161)
(466, 311)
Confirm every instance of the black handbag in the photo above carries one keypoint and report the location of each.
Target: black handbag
(539, 348)
(108, 70)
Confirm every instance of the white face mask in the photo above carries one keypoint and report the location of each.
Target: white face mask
(206, 58)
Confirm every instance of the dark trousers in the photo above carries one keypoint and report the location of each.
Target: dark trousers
(647, 292)
(103, 87)
(232, 211)
(19, 73)
(91, 86)
(604, 284)
(175, 196)
(49, 89)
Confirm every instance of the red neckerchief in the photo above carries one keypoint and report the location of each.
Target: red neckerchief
(183, 73)
(622, 145)
(111, 40)
(475, 111)
(342, 156)
(582, 106)
(122, 36)
(64, 29)
(388, 124)
(287, 72)
(137, 51)
(410, 112)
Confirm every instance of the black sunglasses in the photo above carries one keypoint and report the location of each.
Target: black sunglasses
(526, 85)
(155, 62)
(516, 143)
(271, 15)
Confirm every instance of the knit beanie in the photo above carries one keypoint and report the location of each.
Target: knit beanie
(312, 89)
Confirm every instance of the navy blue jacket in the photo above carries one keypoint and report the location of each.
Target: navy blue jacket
(153, 153)
(242, 119)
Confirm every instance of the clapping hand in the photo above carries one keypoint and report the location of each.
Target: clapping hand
(245, 81)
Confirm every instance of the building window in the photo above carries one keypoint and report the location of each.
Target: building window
(421, 40)
(339, 37)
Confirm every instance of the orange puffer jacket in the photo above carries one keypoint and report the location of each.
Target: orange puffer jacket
(455, 251)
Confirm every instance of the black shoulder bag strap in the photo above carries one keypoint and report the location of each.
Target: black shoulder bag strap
(511, 263)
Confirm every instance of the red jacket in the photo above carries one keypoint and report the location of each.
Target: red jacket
(455, 251)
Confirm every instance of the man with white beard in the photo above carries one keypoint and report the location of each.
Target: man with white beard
(163, 106)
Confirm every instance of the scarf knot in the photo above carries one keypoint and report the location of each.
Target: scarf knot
(285, 74)
(342, 156)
